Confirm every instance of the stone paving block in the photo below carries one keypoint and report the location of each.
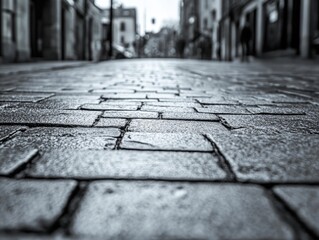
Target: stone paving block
(159, 95)
(111, 122)
(217, 101)
(166, 109)
(223, 109)
(190, 116)
(107, 107)
(46, 139)
(173, 104)
(32, 205)
(274, 110)
(130, 114)
(125, 96)
(278, 123)
(281, 98)
(175, 126)
(71, 132)
(12, 158)
(159, 210)
(48, 117)
(166, 141)
(23, 97)
(128, 165)
(6, 131)
(271, 158)
(303, 200)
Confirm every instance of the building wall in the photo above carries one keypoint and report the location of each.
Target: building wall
(15, 37)
(61, 30)
(128, 34)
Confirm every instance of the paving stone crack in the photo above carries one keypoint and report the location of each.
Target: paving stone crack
(300, 229)
(222, 161)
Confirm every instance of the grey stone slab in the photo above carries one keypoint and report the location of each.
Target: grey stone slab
(173, 104)
(48, 117)
(111, 122)
(271, 158)
(217, 101)
(32, 205)
(159, 95)
(46, 139)
(128, 165)
(109, 107)
(130, 114)
(71, 132)
(12, 158)
(166, 141)
(23, 97)
(175, 126)
(6, 131)
(46, 143)
(277, 124)
(282, 98)
(155, 210)
(304, 201)
(125, 96)
(223, 109)
(166, 109)
(189, 116)
(274, 110)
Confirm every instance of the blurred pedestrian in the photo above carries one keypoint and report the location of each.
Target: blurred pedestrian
(245, 38)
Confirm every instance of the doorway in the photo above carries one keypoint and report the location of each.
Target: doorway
(36, 28)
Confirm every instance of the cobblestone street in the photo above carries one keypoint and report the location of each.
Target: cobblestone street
(160, 149)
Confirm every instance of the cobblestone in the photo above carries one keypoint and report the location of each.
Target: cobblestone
(196, 211)
(166, 141)
(271, 158)
(128, 164)
(160, 149)
(172, 126)
(32, 205)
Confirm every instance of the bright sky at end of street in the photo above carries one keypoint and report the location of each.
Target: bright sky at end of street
(164, 11)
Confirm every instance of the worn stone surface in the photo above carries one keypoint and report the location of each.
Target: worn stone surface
(108, 122)
(223, 109)
(271, 158)
(166, 141)
(66, 138)
(48, 117)
(127, 164)
(153, 210)
(304, 200)
(277, 124)
(130, 114)
(189, 116)
(148, 108)
(109, 107)
(32, 205)
(172, 126)
(23, 97)
(6, 131)
(11, 159)
(165, 122)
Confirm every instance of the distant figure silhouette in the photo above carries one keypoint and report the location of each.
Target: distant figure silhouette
(245, 38)
(180, 47)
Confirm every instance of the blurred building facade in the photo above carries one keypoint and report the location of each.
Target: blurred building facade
(279, 27)
(124, 27)
(50, 30)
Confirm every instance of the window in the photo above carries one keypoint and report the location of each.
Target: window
(123, 40)
(122, 27)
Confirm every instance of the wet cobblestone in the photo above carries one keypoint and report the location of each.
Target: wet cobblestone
(160, 149)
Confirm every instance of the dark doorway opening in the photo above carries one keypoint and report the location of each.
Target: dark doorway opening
(36, 28)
